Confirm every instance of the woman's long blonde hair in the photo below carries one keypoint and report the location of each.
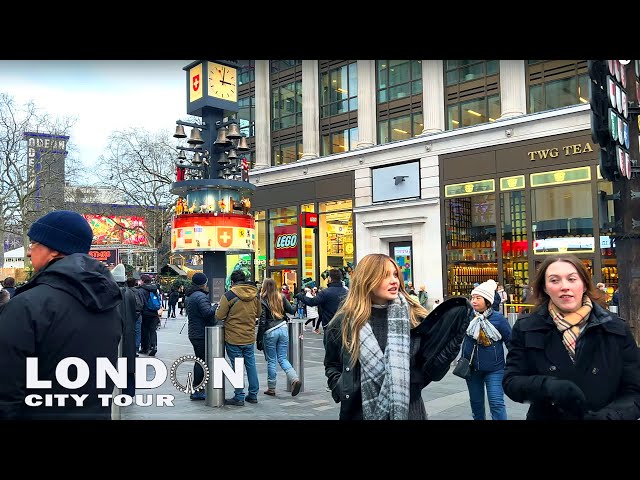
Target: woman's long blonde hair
(273, 298)
(356, 309)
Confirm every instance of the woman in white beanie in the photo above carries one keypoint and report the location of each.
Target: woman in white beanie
(486, 335)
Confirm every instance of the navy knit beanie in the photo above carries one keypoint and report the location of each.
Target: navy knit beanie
(64, 231)
(199, 279)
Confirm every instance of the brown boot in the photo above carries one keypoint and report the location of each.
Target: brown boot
(295, 387)
(270, 391)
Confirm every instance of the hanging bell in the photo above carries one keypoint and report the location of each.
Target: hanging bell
(222, 139)
(234, 131)
(242, 145)
(182, 156)
(220, 174)
(227, 172)
(197, 159)
(222, 159)
(195, 138)
(232, 154)
(234, 169)
(179, 132)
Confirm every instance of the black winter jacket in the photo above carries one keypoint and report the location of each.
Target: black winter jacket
(69, 309)
(329, 299)
(129, 317)
(607, 367)
(435, 343)
(199, 312)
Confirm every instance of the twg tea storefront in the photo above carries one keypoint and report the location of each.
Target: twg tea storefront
(507, 207)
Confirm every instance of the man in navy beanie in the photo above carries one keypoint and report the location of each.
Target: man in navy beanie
(69, 308)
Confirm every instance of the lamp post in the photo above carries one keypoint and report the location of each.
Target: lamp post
(212, 211)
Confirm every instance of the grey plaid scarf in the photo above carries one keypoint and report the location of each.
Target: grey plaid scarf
(385, 377)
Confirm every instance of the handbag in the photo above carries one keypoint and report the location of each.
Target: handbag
(464, 367)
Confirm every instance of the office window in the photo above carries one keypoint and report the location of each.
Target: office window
(399, 99)
(556, 83)
(338, 93)
(338, 142)
(472, 89)
(286, 110)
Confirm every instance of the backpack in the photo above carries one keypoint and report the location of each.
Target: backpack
(154, 302)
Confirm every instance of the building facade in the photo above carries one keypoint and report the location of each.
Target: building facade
(461, 170)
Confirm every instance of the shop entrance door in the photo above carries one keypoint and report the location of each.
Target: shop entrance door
(285, 275)
(402, 253)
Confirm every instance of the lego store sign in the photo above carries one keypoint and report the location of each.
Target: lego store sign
(286, 241)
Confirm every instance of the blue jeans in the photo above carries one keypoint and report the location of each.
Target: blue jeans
(276, 347)
(495, 394)
(138, 332)
(246, 352)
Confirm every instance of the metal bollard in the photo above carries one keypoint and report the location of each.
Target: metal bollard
(613, 309)
(116, 414)
(214, 348)
(296, 351)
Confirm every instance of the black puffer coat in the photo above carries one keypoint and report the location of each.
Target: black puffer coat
(607, 367)
(435, 343)
(200, 312)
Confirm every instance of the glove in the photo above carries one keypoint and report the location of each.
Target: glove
(566, 395)
(600, 415)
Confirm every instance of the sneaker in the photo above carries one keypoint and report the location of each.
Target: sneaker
(234, 402)
(199, 395)
(270, 392)
(295, 387)
(251, 399)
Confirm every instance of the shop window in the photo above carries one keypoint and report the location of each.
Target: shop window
(609, 273)
(308, 235)
(562, 219)
(515, 241)
(335, 231)
(470, 226)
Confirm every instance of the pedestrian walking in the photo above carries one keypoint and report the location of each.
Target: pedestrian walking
(381, 351)
(274, 320)
(328, 299)
(129, 317)
(483, 346)
(313, 316)
(69, 308)
(571, 358)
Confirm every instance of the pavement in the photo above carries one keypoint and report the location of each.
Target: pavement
(447, 399)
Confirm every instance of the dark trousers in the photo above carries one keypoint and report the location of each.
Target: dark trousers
(149, 339)
(198, 349)
(172, 310)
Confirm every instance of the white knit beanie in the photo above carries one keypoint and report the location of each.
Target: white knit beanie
(486, 290)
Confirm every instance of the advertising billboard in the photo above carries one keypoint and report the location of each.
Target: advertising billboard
(117, 229)
(211, 233)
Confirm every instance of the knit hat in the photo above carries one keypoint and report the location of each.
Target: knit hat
(64, 231)
(486, 290)
(118, 273)
(199, 279)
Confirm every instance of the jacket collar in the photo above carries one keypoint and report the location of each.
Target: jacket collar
(541, 320)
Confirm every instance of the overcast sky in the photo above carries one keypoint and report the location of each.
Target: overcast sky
(104, 95)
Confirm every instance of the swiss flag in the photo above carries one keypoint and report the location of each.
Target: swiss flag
(225, 236)
(195, 82)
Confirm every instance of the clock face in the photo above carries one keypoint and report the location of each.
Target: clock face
(222, 82)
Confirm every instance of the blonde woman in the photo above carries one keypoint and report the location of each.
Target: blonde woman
(276, 336)
(381, 351)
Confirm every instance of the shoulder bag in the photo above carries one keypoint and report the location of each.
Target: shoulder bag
(464, 367)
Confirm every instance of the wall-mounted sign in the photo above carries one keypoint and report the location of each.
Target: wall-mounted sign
(285, 240)
(563, 245)
(308, 219)
(212, 233)
(469, 188)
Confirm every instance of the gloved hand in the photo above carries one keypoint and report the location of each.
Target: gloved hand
(566, 395)
(600, 415)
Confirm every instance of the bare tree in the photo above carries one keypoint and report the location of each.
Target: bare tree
(33, 165)
(139, 167)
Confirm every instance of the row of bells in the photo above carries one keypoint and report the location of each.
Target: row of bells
(223, 158)
(225, 136)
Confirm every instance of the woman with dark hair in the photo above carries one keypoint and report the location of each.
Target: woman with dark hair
(276, 336)
(381, 351)
(571, 358)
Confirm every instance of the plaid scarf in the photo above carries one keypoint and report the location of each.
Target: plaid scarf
(570, 324)
(385, 377)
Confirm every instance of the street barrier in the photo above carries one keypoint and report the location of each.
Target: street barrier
(514, 310)
(613, 309)
(296, 350)
(214, 348)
